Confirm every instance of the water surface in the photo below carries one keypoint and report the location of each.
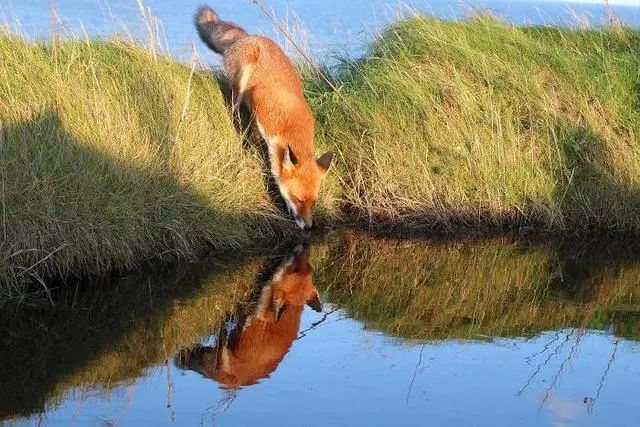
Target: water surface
(349, 329)
(326, 26)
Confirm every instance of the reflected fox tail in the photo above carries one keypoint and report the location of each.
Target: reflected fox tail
(216, 34)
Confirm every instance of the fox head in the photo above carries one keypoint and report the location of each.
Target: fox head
(299, 182)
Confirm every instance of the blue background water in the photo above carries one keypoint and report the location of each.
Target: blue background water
(330, 25)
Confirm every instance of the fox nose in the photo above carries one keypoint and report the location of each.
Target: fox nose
(302, 223)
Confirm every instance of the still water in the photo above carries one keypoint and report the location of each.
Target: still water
(351, 329)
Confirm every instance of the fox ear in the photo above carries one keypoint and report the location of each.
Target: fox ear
(278, 308)
(289, 159)
(324, 161)
(315, 303)
(292, 156)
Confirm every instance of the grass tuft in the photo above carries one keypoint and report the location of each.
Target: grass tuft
(480, 123)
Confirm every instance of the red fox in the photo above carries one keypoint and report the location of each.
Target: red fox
(258, 345)
(264, 80)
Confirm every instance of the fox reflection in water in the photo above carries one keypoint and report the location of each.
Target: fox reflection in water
(254, 348)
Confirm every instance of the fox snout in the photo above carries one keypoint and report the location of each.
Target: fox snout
(304, 223)
(301, 212)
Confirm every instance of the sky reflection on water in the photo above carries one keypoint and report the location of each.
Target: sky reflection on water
(400, 339)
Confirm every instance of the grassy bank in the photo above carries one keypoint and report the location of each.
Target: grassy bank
(478, 123)
(112, 155)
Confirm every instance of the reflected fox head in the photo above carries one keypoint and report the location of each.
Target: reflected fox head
(290, 287)
(261, 340)
(299, 181)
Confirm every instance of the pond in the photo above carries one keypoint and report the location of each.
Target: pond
(348, 328)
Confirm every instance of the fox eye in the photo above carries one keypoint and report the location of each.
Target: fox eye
(297, 200)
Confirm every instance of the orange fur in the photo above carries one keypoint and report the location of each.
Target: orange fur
(263, 78)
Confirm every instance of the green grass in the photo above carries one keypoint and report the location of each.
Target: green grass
(112, 154)
(479, 123)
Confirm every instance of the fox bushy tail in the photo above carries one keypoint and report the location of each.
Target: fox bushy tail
(216, 34)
